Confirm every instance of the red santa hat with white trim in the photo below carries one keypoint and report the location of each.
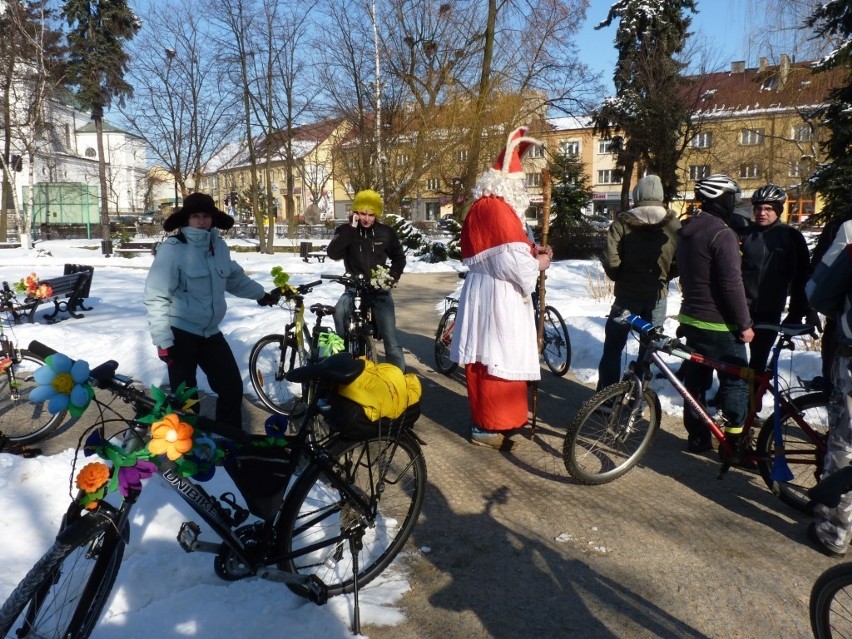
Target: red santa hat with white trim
(493, 224)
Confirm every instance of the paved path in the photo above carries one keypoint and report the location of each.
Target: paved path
(510, 547)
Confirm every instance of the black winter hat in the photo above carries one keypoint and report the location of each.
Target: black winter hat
(197, 203)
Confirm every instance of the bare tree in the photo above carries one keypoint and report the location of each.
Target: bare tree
(183, 105)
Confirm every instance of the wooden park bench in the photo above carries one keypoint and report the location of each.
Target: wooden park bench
(306, 252)
(69, 291)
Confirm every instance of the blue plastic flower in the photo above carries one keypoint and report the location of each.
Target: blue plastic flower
(63, 384)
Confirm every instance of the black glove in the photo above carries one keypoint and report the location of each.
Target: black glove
(165, 355)
(271, 298)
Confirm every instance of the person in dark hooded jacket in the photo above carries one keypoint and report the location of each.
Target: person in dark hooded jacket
(640, 259)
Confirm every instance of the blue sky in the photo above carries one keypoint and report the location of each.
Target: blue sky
(725, 23)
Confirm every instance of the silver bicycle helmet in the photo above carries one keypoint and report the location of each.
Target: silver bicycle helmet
(769, 194)
(715, 186)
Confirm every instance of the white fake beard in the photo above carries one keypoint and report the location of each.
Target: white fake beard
(508, 187)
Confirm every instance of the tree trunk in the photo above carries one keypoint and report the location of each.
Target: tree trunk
(106, 243)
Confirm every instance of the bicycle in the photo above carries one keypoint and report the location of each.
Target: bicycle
(330, 514)
(22, 422)
(361, 333)
(273, 356)
(555, 346)
(613, 430)
(830, 603)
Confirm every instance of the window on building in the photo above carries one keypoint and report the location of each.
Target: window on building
(533, 179)
(699, 171)
(604, 146)
(536, 152)
(751, 137)
(702, 140)
(803, 132)
(608, 176)
(795, 169)
(433, 184)
(571, 147)
(461, 156)
(401, 159)
(750, 171)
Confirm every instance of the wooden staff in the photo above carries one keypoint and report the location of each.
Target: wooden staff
(545, 230)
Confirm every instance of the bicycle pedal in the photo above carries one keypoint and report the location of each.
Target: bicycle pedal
(238, 514)
(188, 535)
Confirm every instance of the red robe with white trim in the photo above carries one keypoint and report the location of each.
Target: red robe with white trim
(495, 330)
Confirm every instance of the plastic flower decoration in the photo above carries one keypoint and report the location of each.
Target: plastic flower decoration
(130, 477)
(171, 437)
(92, 480)
(381, 278)
(63, 384)
(281, 279)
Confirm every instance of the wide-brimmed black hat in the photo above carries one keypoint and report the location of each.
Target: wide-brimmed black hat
(197, 203)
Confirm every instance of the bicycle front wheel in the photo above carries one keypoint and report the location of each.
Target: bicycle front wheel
(443, 341)
(269, 362)
(364, 346)
(556, 348)
(21, 420)
(802, 451)
(831, 603)
(64, 594)
(321, 525)
(607, 436)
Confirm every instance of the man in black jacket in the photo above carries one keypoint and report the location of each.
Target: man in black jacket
(365, 245)
(775, 262)
(714, 315)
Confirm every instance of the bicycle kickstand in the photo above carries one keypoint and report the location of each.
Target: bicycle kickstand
(355, 546)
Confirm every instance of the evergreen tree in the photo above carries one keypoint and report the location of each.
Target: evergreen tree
(833, 179)
(649, 108)
(570, 193)
(97, 66)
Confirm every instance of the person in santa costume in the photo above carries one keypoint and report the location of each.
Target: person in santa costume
(495, 334)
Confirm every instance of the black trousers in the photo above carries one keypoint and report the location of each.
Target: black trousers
(215, 358)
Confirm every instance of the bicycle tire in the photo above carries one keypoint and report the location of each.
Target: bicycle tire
(65, 592)
(315, 512)
(831, 603)
(813, 408)
(443, 341)
(364, 346)
(23, 421)
(597, 447)
(267, 372)
(556, 347)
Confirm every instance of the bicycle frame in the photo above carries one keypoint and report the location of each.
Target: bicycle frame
(762, 384)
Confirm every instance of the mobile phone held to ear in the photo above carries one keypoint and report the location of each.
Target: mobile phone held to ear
(354, 220)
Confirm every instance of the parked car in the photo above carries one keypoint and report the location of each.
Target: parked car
(149, 217)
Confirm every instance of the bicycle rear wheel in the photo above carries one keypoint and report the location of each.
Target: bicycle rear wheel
(65, 592)
(271, 358)
(606, 438)
(443, 341)
(21, 420)
(556, 348)
(804, 455)
(320, 523)
(831, 603)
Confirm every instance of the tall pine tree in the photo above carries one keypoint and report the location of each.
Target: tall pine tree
(97, 65)
(833, 179)
(649, 115)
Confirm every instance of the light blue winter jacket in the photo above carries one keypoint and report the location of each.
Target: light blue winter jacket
(187, 282)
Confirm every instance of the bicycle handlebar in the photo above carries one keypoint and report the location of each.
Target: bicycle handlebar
(351, 280)
(658, 340)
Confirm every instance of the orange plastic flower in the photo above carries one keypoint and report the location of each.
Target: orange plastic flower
(43, 291)
(92, 477)
(171, 437)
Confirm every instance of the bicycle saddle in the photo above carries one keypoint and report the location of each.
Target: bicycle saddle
(341, 368)
(791, 330)
(321, 310)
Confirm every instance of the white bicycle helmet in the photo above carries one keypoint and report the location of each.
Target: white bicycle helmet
(715, 186)
(769, 194)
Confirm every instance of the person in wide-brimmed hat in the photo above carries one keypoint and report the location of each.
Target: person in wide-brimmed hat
(185, 300)
(197, 203)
